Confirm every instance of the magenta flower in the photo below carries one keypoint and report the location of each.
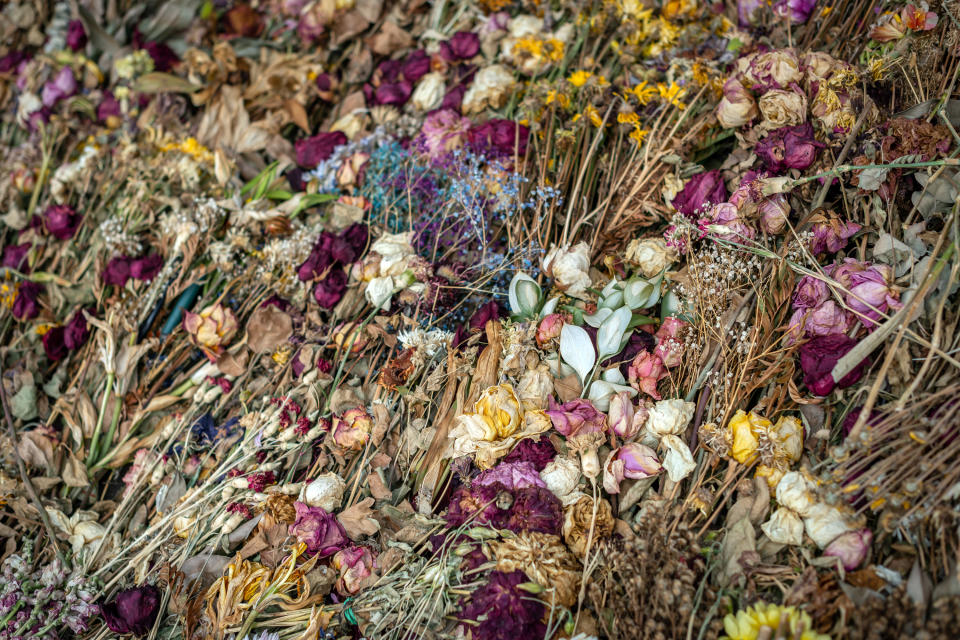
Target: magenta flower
(109, 107)
(646, 370)
(798, 11)
(76, 35)
(827, 318)
(15, 256)
(314, 150)
(25, 305)
(502, 610)
(810, 292)
(319, 530)
(415, 65)
(623, 418)
(548, 331)
(147, 267)
(513, 475)
(117, 271)
(61, 221)
(133, 610)
(632, 460)
(728, 224)
(792, 147)
(831, 236)
(164, 58)
(329, 291)
(500, 137)
(870, 291)
(443, 131)
(851, 547)
(63, 85)
(486, 312)
(393, 93)
(576, 417)
(700, 191)
(53, 344)
(537, 452)
(533, 509)
(355, 564)
(462, 46)
(59, 341)
(918, 18)
(774, 212)
(819, 355)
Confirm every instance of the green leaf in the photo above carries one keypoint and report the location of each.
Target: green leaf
(23, 404)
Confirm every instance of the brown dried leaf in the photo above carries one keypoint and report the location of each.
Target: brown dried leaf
(36, 449)
(74, 472)
(390, 38)
(234, 364)
(378, 489)
(268, 328)
(358, 520)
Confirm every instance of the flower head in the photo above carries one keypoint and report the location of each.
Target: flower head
(645, 371)
(918, 18)
(576, 417)
(633, 460)
(624, 419)
(352, 429)
(791, 147)
(356, 566)
(569, 267)
(851, 547)
(701, 190)
(319, 530)
(503, 610)
(748, 624)
(211, 329)
(132, 610)
(736, 108)
(818, 357)
(61, 221)
(798, 11)
(314, 150)
(831, 235)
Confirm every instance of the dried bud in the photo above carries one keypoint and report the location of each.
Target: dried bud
(851, 548)
(633, 460)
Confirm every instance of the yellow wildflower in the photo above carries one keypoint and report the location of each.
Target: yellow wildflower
(672, 94)
(579, 78)
(591, 112)
(628, 117)
(638, 135)
(644, 93)
(747, 624)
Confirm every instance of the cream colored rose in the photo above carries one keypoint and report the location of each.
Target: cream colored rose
(784, 527)
(325, 492)
(795, 492)
(651, 254)
(737, 107)
(781, 108)
(491, 87)
(561, 475)
(535, 387)
(678, 461)
(569, 267)
(429, 92)
(670, 417)
(825, 523)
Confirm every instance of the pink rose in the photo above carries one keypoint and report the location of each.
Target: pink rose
(645, 371)
(669, 346)
(851, 548)
(633, 460)
(319, 530)
(576, 417)
(354, 564)
(624, 419)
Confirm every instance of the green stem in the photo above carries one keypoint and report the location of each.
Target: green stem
(113, 427)
(94, 444)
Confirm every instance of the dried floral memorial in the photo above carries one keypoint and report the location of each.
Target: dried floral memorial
(480, 320)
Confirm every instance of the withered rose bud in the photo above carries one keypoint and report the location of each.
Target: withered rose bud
(211, 329)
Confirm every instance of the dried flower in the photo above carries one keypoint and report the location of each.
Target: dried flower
(699, 192)
(443, 132)
(792, 147)
(669, 344)
(781, 108)
(831, 235)
(76, 35)
(870, 290)
(491, 87)
(810, 292)
(652, 255)
(211, 329)
(132, 610)
(624, 419)
(576, 417)
(502, 610)
(748, 624)
(356, 567)
(633, 460)
(561, 476)
(678, 462)
(429, 92)
(670, 417)
(784, 527)
(312, 151)
(645, 371)
(774, 212)
(918, 17)
(795, 492)
(746, 429)
(798, 11)
(777, 69)
(548, 331)
(569, 267)
(537, 452)
(513, 475)
(586, 519)
(329, 291)
(825, 523)
(736, 108)
(319, 530)
(851, 548)
(819, 355)
(545, 559)
(352, 430)
(326, 492)
(61, 221)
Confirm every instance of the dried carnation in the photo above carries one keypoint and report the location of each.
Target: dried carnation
(587, 519)
(545, 560)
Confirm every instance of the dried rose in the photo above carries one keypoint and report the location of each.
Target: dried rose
(569, 267)
(76, 35)
(777, 69)
(784, 527)
(826, 319)
(586, 520)
(831, 235)
(429, 92)
(513, 475)
(825, 523)
(810, 292)
(500, 137)
(669, 347)
(819, 355)
(63, 85)
(561, 476)
(869, 289)
(443, 132)
(352, 429)
(490, 88)
(700, 191)
(576, 417)
(851, 547)
(652, 255)
(726, 222)
(502, 609)
(16, 256)
(774, 212)
(319, 530)
(645, 371)
(356, 565)
(737, 107)
(670, 417)
(792, 147)
(329, 291)
(312, 151)
(132, 610)
(211, 329)
(548, 331)
(61, 221)
(781, 108)
(746, 429)
(798, 11)
(537, 452)
(462, 46)
(624, 419)
(633, 460)
(25, 305)
(325, 491)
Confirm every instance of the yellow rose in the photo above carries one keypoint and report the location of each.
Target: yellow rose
(745, 428)
(499, 408)
(211, 329)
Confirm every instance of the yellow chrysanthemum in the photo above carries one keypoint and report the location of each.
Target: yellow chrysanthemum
(746, 624)
(672, 94)
(638, 135)
(579, 78)
(644, 93)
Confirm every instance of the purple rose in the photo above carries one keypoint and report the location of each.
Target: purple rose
(109, 107)
(61, 221)
(15, 256)
(576, 417)
(389, 71)
(76, 332)
(117, 271)
(313, 151)
(831, 236)
(25, 304)
(63, 85)
(819, 355)
(534, 509)
(12, 60)
(319, 530)
(870, 291)
(164, 58)
(797, 10)
(702, 189)
(53, 344)
(454, 98)
(320, 258)
(827, 318)
(393, 93)
(76, 35)
(133, 610)
(730, 226)
(462, 46)
(147, 267)
(486, 312)
(810, 292)
(537, 452)
(500, 137)
(415, 66)
(789, 148)
(503, 610)
(513, 475)
(330, 290)
(356, 236)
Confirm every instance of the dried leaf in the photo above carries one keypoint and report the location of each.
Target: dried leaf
(358, 520)
(36, 450)
(576, 349)
(74, 472)
(268, 328)
(390, 38)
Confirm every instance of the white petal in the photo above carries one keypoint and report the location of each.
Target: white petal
(679, 461)
(577, 350)
(611, 331)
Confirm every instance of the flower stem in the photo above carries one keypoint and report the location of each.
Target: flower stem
(94, 443)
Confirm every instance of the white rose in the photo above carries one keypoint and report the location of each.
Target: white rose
(429, 93)
(394, 249)
(679, 461)
(782, 108)
(525, 25)
(784, 527)
(794, 492)
(535, 386)
(561, 476)
(491, 87)
(652, 254)
(825, 524)
(569, 267)
(325, 492)
(670, 417)
(379, 291)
